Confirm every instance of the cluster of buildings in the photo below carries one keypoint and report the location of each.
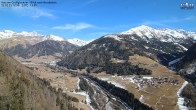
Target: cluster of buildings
(143, 82)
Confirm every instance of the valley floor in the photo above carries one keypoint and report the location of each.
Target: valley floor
(158, 90)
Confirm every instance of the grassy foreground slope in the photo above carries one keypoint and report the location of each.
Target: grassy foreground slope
(21, 90)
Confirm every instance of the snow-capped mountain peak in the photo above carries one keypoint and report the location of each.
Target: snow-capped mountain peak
(140, 31)
(165, 35)
(24, 33)
(139, 28)
(53, 37)
(78, 42)
(8, 31)
(142, 28)
(6, 34)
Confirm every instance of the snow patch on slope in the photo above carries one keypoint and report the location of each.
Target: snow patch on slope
(53, 37)
(190, 71)
(78, 42)
(181, 46)
(113, 82)
(181, 99)
(141, 99)
(175, 61)
(78, 82)
(113, 36)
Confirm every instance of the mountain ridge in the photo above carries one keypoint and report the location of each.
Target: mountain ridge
(158, 32)
(8, 34)
(54, 48)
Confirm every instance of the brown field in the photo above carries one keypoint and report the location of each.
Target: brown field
(156, 68)
(38, 60)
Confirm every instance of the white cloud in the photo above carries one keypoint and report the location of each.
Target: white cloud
(190, 18)
(41, 13)
(85, 3)
(90, 2)
(33, 12)
(166, 21)
(78, 26)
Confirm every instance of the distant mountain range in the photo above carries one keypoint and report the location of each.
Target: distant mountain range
(161, 45)
(7, 34)
(30, 44)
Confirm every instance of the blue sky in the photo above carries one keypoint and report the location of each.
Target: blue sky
(90, 19)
